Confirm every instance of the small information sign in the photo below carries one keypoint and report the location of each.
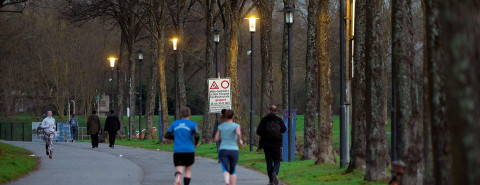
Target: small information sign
(219, 94)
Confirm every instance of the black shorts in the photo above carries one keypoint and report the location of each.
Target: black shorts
(183, 159)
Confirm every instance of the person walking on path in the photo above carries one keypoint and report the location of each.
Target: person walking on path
(73, 127)
(94, 128)
(231, 138)
(183, 132)
(48, 125)
(270, 131)
(112, 125)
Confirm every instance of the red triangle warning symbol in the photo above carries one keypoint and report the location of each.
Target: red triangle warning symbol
(214, 85)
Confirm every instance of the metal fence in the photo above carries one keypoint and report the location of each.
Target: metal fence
(23, 132)
(15, 131)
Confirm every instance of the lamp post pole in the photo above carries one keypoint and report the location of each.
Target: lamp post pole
(216, 39)
(343, 123)
(140, 58)
(252, 31)
(112, 65)
(289, 21)
(393, 125)
(111, 99)
(73, 106)
(174, 41)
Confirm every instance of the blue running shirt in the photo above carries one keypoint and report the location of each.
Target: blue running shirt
(183, 131)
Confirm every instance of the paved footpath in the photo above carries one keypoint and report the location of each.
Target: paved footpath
(78, 163)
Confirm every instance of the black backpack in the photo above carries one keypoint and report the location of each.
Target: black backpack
(273, 130)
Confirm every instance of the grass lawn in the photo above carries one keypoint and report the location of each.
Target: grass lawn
(297, 172)
(14, 162)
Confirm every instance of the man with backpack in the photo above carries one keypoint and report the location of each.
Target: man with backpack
(270, 131)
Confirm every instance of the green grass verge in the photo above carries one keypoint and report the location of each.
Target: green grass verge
(297, 172)
(14, 162)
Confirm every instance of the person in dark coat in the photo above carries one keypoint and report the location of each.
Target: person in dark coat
(112, 125)
(270, 131)
(94, 128)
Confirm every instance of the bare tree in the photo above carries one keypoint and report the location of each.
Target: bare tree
(377, 154)
(409, 117)
(427, 124)
(265, 9)
(358, 151)
(459, 40)
(326, 153)
(125, 13)
(440, 132)
(179, 14)
(209, 8)
(310, 134)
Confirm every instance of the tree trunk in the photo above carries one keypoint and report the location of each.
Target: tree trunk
(359, 114)
(408, 114)
(429, 178)
(326, 153)
(265, 9)
(310, 135)
(151, 90)
(182, 94)
(460, 57)
(161, 74)
(122, 67)
(377, 154)
(233, 17)
(133, 97)
(441, 143)
(207, 128)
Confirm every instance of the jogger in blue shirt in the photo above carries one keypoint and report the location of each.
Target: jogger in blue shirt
(183, 132)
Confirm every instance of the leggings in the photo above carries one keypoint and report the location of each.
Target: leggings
(49, 141)
(228, 159)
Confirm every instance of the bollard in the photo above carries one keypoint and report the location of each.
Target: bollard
(398, 168)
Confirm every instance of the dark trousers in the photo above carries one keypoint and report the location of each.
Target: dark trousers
(94, 140)
(111, 137)
(272, 156)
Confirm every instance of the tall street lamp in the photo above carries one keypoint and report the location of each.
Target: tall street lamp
(112, 65)
(252, 31)
(140, 58)
(216, 39)
(288, 9)
(73, 106)
(343, 122)
(174, 42)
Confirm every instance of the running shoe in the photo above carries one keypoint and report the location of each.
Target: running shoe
(178, 179)
(275, 179)
(50, 156)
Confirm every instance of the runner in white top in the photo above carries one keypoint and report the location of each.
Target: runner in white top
(48, 125)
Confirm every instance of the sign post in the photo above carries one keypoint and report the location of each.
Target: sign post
(219, 94)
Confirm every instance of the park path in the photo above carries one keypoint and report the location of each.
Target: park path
(78, 163)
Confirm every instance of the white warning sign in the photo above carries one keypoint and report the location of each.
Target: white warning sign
(219, 94)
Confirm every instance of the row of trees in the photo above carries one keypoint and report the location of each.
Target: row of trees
(435, 123)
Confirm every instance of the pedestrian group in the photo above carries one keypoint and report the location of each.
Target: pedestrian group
(186, 136)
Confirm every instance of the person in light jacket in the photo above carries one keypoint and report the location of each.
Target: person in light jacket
(48, 125)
